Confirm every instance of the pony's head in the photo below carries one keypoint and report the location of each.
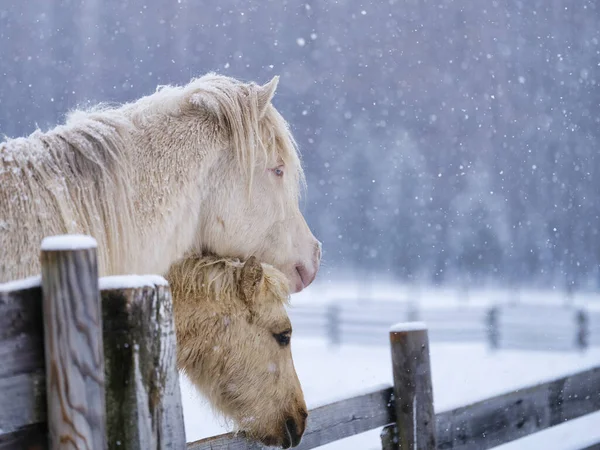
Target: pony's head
(233, 342)
(251, 204)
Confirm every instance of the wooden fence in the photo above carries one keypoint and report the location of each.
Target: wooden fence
(91, 364)
(521, 326)
(84, 369)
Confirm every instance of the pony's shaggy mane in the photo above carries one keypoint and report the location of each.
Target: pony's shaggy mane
(217, 280)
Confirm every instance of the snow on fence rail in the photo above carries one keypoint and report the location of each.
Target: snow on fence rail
(92, 364)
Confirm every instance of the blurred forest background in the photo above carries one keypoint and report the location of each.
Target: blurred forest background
(445, 142)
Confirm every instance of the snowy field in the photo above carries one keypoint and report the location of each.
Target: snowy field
(361, 288)
(462, 373)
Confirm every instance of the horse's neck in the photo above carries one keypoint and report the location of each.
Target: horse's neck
(167, 198)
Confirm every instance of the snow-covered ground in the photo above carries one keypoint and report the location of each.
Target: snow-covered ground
(359, 288)
(462, 373)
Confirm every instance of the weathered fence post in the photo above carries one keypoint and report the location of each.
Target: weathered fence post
(143, 399)
(389, 437)
(492, 327)
(73, 343)
(333, 324)
(413, 393)
(583, 331)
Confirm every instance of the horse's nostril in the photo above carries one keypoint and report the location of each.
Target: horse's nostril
(292, 431)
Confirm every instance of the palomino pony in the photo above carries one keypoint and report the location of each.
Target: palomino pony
(207, 167)
(233, 339)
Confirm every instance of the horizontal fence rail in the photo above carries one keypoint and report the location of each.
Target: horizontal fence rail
(325, 424)
(504, 418)
(482, 425)
(555, 328)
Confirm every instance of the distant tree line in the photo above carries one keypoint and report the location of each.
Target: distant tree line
(444, 141)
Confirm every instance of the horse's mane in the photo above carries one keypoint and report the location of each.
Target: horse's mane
(82, 162)
(251, 134)
(217, 279)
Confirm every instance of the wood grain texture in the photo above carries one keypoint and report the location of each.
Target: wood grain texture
(22, 371)
(146, 313)
(325, 424)
(413, 392)
(74, 350)
(144, 410)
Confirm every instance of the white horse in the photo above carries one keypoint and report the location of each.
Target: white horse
(206, 167)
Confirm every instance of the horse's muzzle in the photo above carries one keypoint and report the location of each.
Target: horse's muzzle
(305, 275)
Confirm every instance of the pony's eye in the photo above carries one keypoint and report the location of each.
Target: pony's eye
(278, 171)
(283, 339)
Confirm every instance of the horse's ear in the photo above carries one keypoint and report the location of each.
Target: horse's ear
(204, 102)
(265, 95)
(252, 275)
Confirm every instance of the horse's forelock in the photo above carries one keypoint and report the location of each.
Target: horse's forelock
(256, 138)
(275, 130)
(217, 279)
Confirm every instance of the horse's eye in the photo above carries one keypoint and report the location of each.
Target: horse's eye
(278, 171)
(283, 339)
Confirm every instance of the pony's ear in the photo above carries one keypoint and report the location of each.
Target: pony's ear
(252, 275)
(265, 95)
(204, 102)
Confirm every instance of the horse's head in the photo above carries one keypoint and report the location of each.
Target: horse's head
(251, 201)
(233, 337)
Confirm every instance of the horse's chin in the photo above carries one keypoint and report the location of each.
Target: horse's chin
(290, 436)
(298, 286)
(271, 441)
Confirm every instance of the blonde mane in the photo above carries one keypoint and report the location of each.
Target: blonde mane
(82, 162)
(217, 280)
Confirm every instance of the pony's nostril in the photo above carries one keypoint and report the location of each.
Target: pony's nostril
(292, 431)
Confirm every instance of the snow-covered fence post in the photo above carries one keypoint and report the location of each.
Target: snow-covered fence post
(143, 399)
(73, 343)
(413, 393)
